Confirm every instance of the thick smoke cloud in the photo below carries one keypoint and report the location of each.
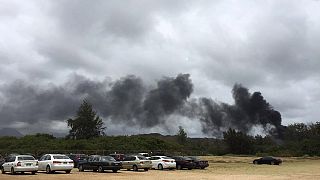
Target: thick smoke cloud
(129, 102)
(249, 110)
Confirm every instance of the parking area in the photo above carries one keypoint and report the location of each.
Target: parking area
(221, 167)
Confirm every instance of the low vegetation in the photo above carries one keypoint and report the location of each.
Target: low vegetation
(298, 140)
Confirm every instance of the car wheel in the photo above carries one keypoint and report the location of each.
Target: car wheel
(2, 171)
(272, 163)
(160, 167)
(189, 168)
(100, 169)
(255, 162)
(48, 170)
(179, 167)
(135, 168)
(80, 168)
(33, 172)
(12, 171)
(146, 169)
(114, 170)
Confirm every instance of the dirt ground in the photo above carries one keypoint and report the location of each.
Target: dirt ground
(221, 167)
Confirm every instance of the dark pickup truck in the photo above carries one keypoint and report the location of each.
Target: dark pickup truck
(183, 162)
(199, 164)
(100, 163)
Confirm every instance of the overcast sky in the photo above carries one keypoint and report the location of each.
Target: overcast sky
(268, 46)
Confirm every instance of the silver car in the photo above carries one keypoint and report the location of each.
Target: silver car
(136, 162)
(55, 162)
(20, 163)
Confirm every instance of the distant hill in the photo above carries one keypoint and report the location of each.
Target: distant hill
(10, 132)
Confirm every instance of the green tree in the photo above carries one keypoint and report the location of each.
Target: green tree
(182, 135)
(86, 124)
(238, 142)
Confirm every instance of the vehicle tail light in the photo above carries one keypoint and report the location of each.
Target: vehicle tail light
(165, 160)
(19, 164)
(56, 162)
(141, 162)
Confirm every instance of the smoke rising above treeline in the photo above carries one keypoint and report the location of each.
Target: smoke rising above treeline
(130, 102)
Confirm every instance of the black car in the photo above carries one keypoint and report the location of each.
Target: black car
(184, 162)
(76, 158)
(267, 160)
(100, 163)
(199, 164)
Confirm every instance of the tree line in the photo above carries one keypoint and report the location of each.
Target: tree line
(87, 134)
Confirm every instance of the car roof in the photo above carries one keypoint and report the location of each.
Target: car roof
(24, 156)
(160, 156)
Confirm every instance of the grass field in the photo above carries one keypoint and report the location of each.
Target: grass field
(221, 167)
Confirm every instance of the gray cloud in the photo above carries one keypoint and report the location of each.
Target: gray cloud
(269, 46)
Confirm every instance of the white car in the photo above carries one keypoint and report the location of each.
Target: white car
(20, 163)
(55, 162)
(162, 162)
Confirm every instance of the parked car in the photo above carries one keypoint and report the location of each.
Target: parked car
(199, 164)
(100, 163)
(136, 162)
(183, 162)
(267, 160)
(20, 163)
(144, 154)
(55, 162)
(118, 157)
(1, 160)
(76, 158)
(162, 162)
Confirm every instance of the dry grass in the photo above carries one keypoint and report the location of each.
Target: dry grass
(221, 167)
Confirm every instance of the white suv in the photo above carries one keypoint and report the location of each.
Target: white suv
(20, 163)
(55, 162)
(162, 162)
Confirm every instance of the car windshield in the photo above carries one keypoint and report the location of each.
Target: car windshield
(194, 158)
(22, 158)
(142, 158)
(108, 158)
(60, 157)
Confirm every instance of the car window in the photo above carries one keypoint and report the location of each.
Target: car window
(42, 158)
(267, 158)
(83, 157)
(60, 157)
(48, 157)
(10, 159)
(128, 158)
(166, 158)
(91, 158)
(23, 158)
(186, 158)
(142, 158)
(96, 158)
(108, 158)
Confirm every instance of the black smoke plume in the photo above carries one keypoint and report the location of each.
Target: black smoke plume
(128, 101)
(249, 110)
